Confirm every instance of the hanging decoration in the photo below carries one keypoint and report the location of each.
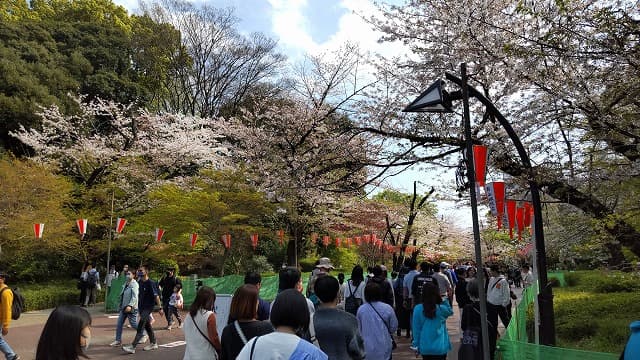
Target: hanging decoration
(326, 240)
(528, 214)
(82, 227)
(193, 239)
(254, 241)
(358, 240)
(120, 223)
(511, 215)
(281, 237)
(338, 242)
(314, 238)
(38, 229)
(520, 220)
(480, 155)
(366, 239)
(495, 193)
(159, 234)
(348, 241)
(226, 241)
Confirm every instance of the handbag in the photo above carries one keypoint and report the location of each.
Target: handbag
(393, 341)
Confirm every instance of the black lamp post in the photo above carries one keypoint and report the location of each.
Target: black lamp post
(436, 99)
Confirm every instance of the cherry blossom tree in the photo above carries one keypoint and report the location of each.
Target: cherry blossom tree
(106, 136)
(564, 73)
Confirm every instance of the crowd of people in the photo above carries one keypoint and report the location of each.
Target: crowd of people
(339, 318)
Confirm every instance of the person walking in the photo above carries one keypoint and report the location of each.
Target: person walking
(471, 323)
(385, 286)
(446, 289)
(354, 291)
(167, 284)
(498, 297)
(526, 276)
(82, 284)
(253, 278)
(200, 329)
(245, 326)
(377, 322)
(336, 331)
(148, 297)
(175, 305)
(289, 313)
(430, 335)
(6, 301)
(128, 307)
(93, 286)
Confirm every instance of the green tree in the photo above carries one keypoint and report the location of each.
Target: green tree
(33, 194)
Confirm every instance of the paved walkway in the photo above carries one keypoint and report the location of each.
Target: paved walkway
(24, 334)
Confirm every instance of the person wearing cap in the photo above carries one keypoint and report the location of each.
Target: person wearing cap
(446, 290)
(322, 268)
(6, 299)
(167, 284)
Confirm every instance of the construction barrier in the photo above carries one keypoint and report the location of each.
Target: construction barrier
(517, 341)
(221, 285)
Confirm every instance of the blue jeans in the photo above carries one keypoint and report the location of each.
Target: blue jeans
(133, 320)
(6, 349)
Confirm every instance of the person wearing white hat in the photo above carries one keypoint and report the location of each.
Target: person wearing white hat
(446, 290)
(322, 268)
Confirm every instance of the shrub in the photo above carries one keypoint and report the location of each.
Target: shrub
(46, 296)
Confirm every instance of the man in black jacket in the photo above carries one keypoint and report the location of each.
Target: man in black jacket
(167, 283)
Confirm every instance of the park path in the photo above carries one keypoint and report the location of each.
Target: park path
(24, 334)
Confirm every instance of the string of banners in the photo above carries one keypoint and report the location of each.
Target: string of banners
(517, 216)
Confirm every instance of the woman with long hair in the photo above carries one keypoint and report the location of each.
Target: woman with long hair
(289, 314)
(200, 331)
(244, 309)
(354, 291)
(66, 335)
(430, 336)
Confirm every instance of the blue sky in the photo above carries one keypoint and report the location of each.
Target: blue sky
(314, 26)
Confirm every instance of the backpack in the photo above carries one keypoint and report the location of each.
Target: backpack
(17, 306)
(92, 279)
(352, 303)
(418, 284)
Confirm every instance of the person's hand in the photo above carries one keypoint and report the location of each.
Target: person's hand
(160, 312)
(5, 331)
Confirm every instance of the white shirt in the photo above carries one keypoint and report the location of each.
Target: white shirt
(498, 292)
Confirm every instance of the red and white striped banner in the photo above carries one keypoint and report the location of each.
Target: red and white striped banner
(82, 226)
(38, 229)
(193, 239)
(495, 194)
(254, 241)
(120, 223)
(159, 234)
(226, 241)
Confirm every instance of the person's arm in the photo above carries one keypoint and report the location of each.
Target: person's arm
(393, 321)
(445, 306)
(156, 293)
(7, 300)
(212, 332)
(355, 348)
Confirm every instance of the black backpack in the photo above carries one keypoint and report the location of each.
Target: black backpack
(92, 279)
(17, 306)
(418, 284)
(352, 303)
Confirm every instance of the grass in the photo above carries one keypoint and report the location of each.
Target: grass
(594, 312)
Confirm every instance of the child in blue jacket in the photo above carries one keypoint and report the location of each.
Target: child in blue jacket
(430, 336)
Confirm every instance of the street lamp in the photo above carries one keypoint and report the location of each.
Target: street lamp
(437, 99)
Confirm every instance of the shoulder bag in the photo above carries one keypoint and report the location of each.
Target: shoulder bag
(393, 341)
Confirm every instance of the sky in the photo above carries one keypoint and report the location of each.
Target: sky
(316, 26)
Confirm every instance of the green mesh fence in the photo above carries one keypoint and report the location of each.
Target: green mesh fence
(222, 285)
(516, 344)
(557, 275)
